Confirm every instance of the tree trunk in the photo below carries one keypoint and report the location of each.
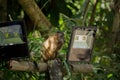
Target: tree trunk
(3, 10)
(35, 14)
(115, 27)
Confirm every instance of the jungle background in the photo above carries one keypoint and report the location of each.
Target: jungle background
(62, 15)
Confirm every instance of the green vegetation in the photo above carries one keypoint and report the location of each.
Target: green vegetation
(64, 14)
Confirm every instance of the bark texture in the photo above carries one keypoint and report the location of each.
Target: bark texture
(35, 14)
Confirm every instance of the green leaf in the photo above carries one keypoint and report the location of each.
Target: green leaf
(73, 6)
(109, 75)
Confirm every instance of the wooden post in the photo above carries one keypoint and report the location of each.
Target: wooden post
(27, 66)
(82, 68)
(52, 69)
(55, 71)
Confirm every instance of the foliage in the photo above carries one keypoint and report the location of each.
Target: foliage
(35, 45)
(53, 8)
(105, 63)
(68, 13)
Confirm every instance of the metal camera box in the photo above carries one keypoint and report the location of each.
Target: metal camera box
(13, 41)
(81, 44)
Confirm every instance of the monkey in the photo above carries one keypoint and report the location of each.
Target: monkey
(52, 45)
(50, 48)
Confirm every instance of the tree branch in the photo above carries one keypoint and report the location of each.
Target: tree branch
(93, 12)
(84, 13)
(35, 14)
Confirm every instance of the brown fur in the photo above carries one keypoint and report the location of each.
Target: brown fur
(52, 45)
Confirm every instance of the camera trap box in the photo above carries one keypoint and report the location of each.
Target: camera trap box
(81, 44)
(13, 41)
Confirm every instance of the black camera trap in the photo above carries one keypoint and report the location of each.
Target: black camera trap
(13, 41)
